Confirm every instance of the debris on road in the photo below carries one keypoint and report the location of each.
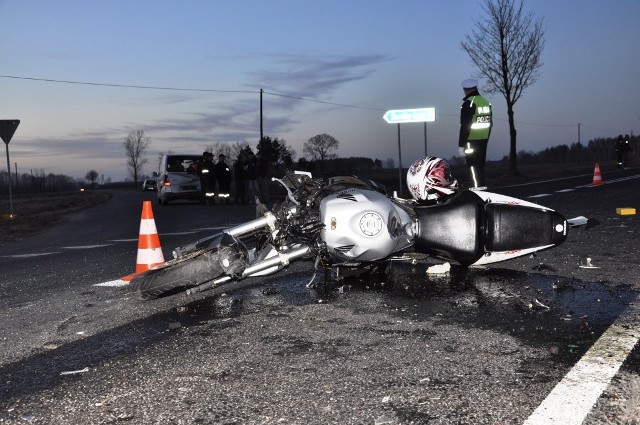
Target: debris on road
(588, 264)
(444, 268)
(75, 372)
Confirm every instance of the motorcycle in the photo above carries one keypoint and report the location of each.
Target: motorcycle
(350, 225)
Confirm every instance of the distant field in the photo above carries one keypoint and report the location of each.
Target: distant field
(33, 212)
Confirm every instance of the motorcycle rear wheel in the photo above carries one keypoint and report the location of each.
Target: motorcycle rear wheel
(179, 274)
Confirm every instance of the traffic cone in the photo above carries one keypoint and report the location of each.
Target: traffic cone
(149, 250)
(597, 178)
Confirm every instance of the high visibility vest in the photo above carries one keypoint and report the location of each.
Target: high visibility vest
(481, 122)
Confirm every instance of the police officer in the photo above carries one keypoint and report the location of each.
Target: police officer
(223, 175)
(475, 128)
(208, 178)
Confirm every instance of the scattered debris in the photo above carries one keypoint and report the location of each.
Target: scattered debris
(577, 221)
(537, 305)
(588, 264)
(439, 269)
(386, 399)
(75, 372)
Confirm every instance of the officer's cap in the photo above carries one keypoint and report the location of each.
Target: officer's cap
(469, 84)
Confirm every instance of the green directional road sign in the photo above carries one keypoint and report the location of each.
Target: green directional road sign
(7, 129)
(399, 116)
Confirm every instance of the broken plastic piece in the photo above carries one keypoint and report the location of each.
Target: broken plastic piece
(588, 264)
(444, 268)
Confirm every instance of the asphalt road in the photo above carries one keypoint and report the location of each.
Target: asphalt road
(476, 346)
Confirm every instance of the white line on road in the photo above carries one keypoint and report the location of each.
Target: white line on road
(572, 399)
(86, 246)
(30, 255)
(113, 283)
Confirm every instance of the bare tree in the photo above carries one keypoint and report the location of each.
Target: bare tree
(92, 176)
(507, 48)
(134, 145)
(320, 147)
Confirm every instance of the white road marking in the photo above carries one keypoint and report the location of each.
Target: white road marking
(113, 283)
(30, 255)
(542, 195)
(572, 399)
(86, 246)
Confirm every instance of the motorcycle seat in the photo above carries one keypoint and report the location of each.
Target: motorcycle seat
(453, 230)
(511, 227)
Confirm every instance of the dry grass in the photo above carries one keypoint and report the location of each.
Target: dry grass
(34, 212)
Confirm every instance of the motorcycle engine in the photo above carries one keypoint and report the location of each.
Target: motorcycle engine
(362, 225)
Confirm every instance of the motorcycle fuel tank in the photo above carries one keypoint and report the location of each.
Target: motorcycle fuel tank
(364, 225)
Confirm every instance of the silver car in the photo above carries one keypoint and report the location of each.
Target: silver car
(179, 178)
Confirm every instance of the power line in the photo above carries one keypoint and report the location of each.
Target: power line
(87, 83)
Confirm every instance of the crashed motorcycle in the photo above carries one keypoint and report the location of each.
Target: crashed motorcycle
(348, 225)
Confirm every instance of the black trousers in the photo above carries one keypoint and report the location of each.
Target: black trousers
(476, 155)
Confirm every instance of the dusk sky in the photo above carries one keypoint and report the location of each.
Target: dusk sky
(326, 67)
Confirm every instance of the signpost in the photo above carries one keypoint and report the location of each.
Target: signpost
(7, 129)
(399, 116)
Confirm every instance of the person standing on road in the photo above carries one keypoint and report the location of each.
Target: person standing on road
(251, 176)
(475, 129)
(223, 175)
(207, 178)
(239, 178)
(262, 177)
(623, 146)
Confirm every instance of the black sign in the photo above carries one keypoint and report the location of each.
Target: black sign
(7, 128)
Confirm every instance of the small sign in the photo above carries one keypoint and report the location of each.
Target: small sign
(7, 129)
(398, 116)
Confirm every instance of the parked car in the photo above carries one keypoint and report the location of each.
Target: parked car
(178, 178)
(149, 184)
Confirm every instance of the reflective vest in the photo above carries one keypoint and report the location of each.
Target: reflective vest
(481, 121)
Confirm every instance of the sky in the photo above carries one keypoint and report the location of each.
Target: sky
(82, 74)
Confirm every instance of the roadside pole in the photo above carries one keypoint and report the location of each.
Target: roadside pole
(7, 129)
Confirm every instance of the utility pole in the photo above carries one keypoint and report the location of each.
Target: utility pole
(261, 131)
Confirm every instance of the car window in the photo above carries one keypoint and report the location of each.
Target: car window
(180, 164)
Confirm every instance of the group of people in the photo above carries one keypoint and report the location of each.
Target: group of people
(249, 172)
(210, 173)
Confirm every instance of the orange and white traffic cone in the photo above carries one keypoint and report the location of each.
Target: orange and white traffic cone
(149, 250)
(597, 178)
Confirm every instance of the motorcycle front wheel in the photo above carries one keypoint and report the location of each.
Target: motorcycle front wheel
(175, 275)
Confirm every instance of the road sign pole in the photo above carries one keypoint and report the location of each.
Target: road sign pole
(399, 164)
(7, 129)
(9, 172)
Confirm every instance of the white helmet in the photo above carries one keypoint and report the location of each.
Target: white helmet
(429, 178)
